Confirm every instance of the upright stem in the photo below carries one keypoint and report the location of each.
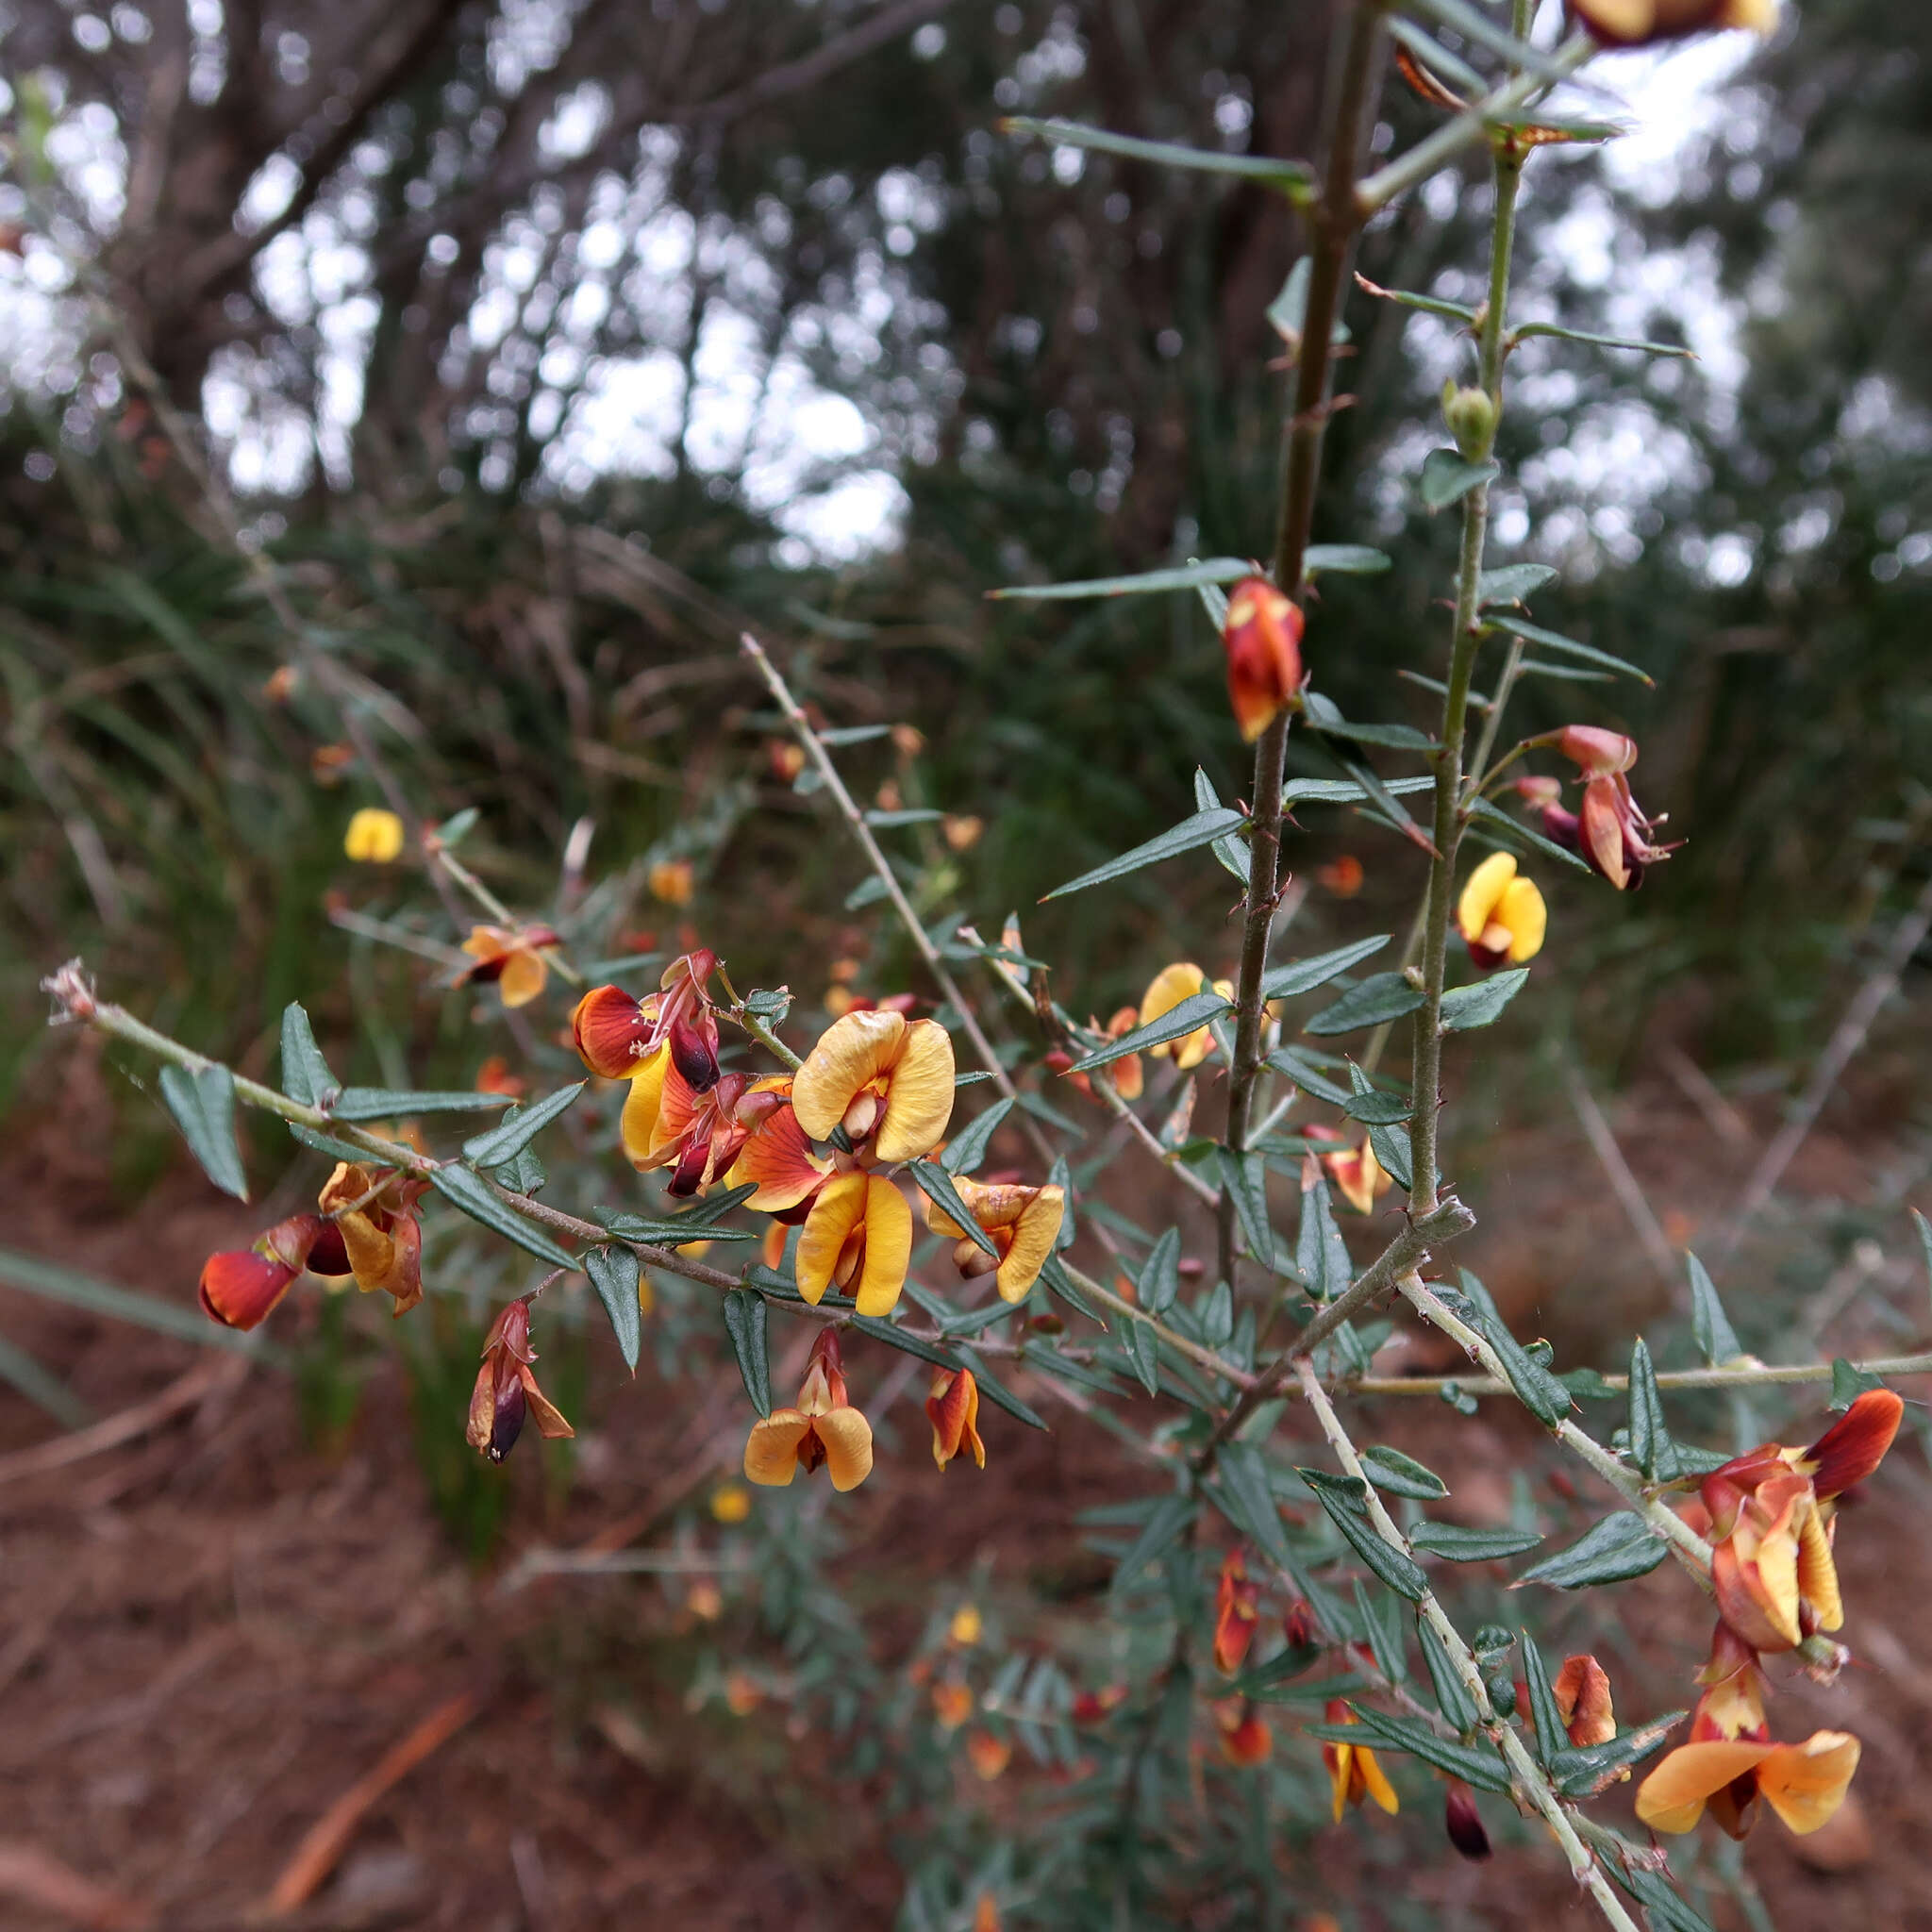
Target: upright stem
(1337, 222)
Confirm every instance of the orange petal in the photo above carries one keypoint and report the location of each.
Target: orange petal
(847, 1438)
(240, 1288)
(641, 1108)
(919, 1101)
(851, 1054)
(779, 1160)
(371, 1252)
(1805, 1783)
(482, 1423)
(888, 1247)
(1583, 1701)
(1673, 1796)
(771, 1451)
(1033, 1239)
(1339, 1760)
(523, 978)
(1482, 893)
(953, 1409)
(840, 1208)
(547, 1416)
(610, 1028)
(1855, 1446)
(1603, 831)
(1376, 1780)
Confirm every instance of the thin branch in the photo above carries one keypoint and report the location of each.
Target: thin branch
(1663, 1257)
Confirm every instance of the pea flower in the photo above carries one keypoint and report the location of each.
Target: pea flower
(823, 1430)
(378, 1216)
(375, 837)
(1353, 1770)
(1165, 991)
(1612, 834)
(858, 1238)
(1582, 1692)
(1022, 1222)
(615, 1033)
(1262, 638)
(1237, 1605)
(507, 1389)
(1731, 1762)
(513, 957)
(952, 1407)
(988, 1755)
(1500, 917)
(776, 1158)
(1357, 1173)
(1124, 1074)
(1640, 23)
(1246, 1738)
(886, 1080)
(240, 1288)
(671, 880)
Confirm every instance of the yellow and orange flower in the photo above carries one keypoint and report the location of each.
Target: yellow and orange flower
(858, 1238)
(1022, 1222)
(1124, 1074)
(1640, 23)
(1501, 916)
(988, 1755)
(1237, 1608)
(1359, 1175)
(1262, 638)
(506, 1389)
(512, 957)
(616, 1034)
(1582, 1692)
(1246, 1738)
(1612, 833)
(951, 1703)
(824, 1429)
(1352, 1771)
(953, 1409)
(376, 1212)
(884, 1079)
(240, 1288)
(672, 881)
(1165, 991)
(1730, 1761)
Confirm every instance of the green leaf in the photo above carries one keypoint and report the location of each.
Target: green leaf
(1031, 1103)
(1345, 790)
(744, 1324)
(1245, 1180)
(203, 1104)
(1535, 1388)
(1471, 1763)
(1452, 1696)
(614, 1274)
(1465, 1007)
(671, 1232)
(1717, 1341)
(1231, 853)
(1379, 998)
(1165, 1522)
(1924, 1229)
(31, 1379)
(1508, 831)
(1187, 576)
(1341, 1498)
(1849, 1383)
(1054, 1274)
(1564, 674)
(1447, 476)
(522, 1174)
(1613, 1551)
(1250, 1501)
(1293, 179)
(1395, 736)
(1568, 647)
(1062, 1177)
(517, 1129)
(1473, 24)
(1511, 583)
(1161, 1278)
(1305, 975)
(1580, 335)
(1550, 1737)
(31, 1274)
(1375, 1107)
(893, 1337)
(1321, 1256)
(1142, 1347)
(1203, 828)
(1396, 1475)
(1651, 1447)
(1583, 1771)
(1409, 298)
(1346, 559)
(855, 734)
(329, 1143)
(1459, 1544)
(911, 815)
(458, 827)
(358, 1104)
(1001, 1396)
(1381, 1618)
(713, 1209)
(1667, 1909)
(967, 1148)
(936, 1184)
(1193, 1013)
(469, 1192)
(769, 1005)
(1298, 1068)
(306, 1076)
(1588, 1386)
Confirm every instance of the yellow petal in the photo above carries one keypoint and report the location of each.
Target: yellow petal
(1168, 989)
(1805, 1783)
(771, 1451)
(1481, 894)
(1672, 1797)
(888, 1248)
(840, 1208)
(1033, 1240)
(375, 837)
(646, 1095)
(523, 978)
(847, 1438)
(1338, 1776)
(1522, 910)
(1377, 1781)
(851, 1054)
(1818, 1574)
(919, 1101)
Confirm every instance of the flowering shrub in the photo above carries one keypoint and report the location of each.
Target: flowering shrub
(1263, 1565)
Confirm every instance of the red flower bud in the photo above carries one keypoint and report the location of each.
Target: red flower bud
(1464, 1821)
(1262, 637)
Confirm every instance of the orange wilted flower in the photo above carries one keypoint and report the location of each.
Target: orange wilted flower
(1123, 1073)
(240, 1288)
(822, 1428)
(1582, 1692)
(1500, 917)
(883, 1078)
(507, 1389)
(377, 1214)
(1262, 637)
(1022, 1222)
(512, 957)
(1167, 990)
(1639, 23)
(672, 881)
(1353, 1768)
(1237, 1605)
(1342, 876)
(1612, 833)
(953, 1409)
(1359, 1175)
(1769, 1515)
(1730, 1761)
(1246, 1738)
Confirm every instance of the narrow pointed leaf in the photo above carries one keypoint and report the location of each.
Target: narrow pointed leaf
(967, 1148)
(203, 1104)
(1187, 576)
(1230, 851)
(1379, 998)
(1321, 1256)
(1160, 1278)
(1495, 822)
(1550, 1737)
(939, 1188)
(466, 1190)
(1471, 1763)
(1651, 1447)
(745, 1324)
(515, 1132)
(1582, 1771)
(1165, 1522)
(1717, 1341)
(360, 1104)
(1581, 335)
(306, 1076)
(1667, 1909)
(1245, 1181)
(1203, 828)
(1613, 1551)
(1192, 1013)
(1305, 975)
(1345, 560)
(1409, 298)
(1510, 583)
(1343, 791)
(614, 1274)
(1473, 24)
(1396, 1475)
(1308, 1078)
(1457, 1543)
(1381, 1616)
(1142, 1347)
(1452, 1695)
(1567, 647)
(1293, 179)
(1465, 1007)
(1397, 1567)
(1250, 1500)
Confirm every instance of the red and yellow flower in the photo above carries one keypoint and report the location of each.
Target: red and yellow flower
(1612, 834)
(1165, 991)
(1124, 1074)
(1501, 916)
(1236, 1606)
(1352, 1772)
(823, 1430)
(1357, 1173)
(1022, 1222)
(513, 957)
(378, 1215)
(507, 1391)
(952, 1407)
(240, 1288)
(616, 1034)
(886, 1080)
(1262, 638)
(1582, 1692)
(1640, 23)
(856, 1238)
(1246, 1740)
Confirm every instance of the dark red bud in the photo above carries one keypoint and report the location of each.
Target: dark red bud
(507, 1423)
(689, 1173)
(693, 1056)
(1464, 1821)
